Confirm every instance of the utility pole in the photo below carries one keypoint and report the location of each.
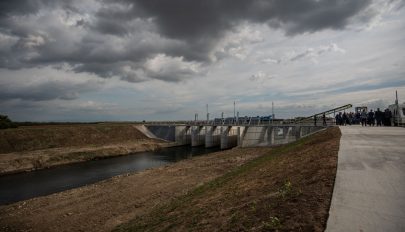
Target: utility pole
(234, 112)
(272, 112)
(396, 103)
(396, 97)
(208, 115)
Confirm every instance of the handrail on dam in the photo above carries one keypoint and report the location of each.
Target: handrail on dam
(327, 112)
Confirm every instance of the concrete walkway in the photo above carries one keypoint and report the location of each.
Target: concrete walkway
(369, 192)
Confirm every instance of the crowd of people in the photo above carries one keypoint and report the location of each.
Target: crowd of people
(370, 118)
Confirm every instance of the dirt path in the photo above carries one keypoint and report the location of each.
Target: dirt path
(103, 206)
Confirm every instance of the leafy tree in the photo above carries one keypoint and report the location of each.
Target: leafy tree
(5, 122)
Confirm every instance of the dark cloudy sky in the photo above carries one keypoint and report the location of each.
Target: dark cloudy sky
(91, 60)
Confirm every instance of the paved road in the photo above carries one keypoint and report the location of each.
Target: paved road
(369, 192)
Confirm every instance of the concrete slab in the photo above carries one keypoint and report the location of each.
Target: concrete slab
(369, 192)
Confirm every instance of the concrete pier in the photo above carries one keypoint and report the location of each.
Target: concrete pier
(198, 134)
(212, 136)
(229, 137)
(183, 135)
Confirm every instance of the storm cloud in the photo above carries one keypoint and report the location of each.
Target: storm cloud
(193, 20)
(44, 85)
(153, 39)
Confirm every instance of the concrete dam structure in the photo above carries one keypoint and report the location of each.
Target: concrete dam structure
(228, 136)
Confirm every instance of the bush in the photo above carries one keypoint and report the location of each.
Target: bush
(5, 122)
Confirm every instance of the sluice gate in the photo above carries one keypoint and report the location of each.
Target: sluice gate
(228, 136)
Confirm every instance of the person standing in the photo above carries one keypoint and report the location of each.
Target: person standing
(338, 118)
(358, 117)
(350, 118)
(324, 119)
(344, 119)
(314, 120)
(379, 117)
(363, 116)
(371, 119)
(387, 117)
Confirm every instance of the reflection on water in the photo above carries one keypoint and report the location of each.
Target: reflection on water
(23, 186)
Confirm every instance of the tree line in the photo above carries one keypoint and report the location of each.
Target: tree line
(5, 122)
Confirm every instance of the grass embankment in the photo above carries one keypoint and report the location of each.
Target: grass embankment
(53, 136)
(42, 146)
(288, 189)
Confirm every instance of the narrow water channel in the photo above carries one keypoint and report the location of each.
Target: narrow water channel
(18, 187)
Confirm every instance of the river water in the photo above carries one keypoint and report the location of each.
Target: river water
(22, 186)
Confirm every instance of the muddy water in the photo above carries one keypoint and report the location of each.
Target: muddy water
(23, 186)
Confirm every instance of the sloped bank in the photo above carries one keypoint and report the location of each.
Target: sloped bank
(106, 204)
(288, 189)
(36, 147)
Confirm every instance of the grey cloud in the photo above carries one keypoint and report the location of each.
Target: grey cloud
(31, 85)
(118, 38)
(125, 70)
(172, 69)
(342, 87)
(301, 55)
(201, 24)
(271, 60)
(60, 110)
(44, 91)
(111, 27)
(22, 7)
(115, 19)
(208, 19)
(260, 76)
(10, 8)
(375, 104)
(315, 52)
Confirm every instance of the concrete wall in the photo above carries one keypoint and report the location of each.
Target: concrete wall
(173, 133)
(212, 136)
(146, 131)
(254, 136)
(163, 132)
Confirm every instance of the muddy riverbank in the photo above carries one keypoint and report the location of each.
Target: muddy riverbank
(38, 147)
(106, 204)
